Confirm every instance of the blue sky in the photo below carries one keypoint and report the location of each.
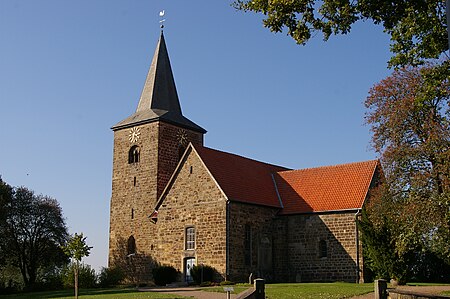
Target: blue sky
(69, 70)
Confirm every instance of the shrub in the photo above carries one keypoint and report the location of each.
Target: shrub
(86, 276)
(226, 283)
(109, 277)
(206, 284)
(163, 275)
(202, 273)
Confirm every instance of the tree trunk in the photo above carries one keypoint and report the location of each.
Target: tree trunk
(76, 280)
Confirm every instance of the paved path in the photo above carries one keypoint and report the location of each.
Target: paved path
(189, 292)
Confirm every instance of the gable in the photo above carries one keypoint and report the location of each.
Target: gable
(322, 189)
(191, 178)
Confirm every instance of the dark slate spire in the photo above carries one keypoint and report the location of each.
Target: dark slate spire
(159, 90)
(159, 98)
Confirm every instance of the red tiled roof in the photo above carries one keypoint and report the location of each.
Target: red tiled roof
(242, 179)
(330, 188)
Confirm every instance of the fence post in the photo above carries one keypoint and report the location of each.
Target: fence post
(259, 289)
(380, 289)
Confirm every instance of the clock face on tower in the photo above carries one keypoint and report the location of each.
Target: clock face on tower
(134, 134)
(182, 137)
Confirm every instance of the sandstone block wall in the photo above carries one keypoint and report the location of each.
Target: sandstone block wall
(260, 219)
(194, 200)
(173, 141)
(136, 187)
(133, 191)
(304, 261)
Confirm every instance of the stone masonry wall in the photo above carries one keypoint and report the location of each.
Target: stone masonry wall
(132, 199)
(194, 200)
(280, 235)
(260, 219)
(135, 190)
(173, 141)
(305, 232)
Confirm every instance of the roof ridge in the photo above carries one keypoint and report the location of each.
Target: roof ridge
(331, 166)
(243, 157)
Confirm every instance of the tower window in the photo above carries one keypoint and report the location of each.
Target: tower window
(132, 213)
(190, 238)
(131, 246)
(134, 182)
(134, 154)
(248, 245)
(323, 250)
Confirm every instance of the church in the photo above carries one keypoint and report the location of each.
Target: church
(177, 202)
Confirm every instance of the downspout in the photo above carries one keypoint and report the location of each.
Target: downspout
(358, 212)
(227, 242)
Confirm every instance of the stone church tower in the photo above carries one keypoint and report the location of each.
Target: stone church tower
(147, 147)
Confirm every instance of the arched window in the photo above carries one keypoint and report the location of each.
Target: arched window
(134, 154)
(131, 246)
(323, 250)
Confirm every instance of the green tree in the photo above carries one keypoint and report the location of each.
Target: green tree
(32, 229)
(5, 198)
(76, 248)
(409, 115)
(417, 28)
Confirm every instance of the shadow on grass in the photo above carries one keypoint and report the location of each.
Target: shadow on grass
(69, 293)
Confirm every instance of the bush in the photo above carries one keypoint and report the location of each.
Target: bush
(226, 283)
(49, 279)
(110, 277)
(163, 275)
(86, 276)
(206, 284)
(199, 277)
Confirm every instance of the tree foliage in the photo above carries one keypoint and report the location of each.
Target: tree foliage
(32, 229)
(86, 276)
(417, 28)
(409, 114)
(77, 248)
(110, 277)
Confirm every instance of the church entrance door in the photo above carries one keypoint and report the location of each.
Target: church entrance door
(188, 264)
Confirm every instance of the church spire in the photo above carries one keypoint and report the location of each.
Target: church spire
(159, 91)
(159, 97)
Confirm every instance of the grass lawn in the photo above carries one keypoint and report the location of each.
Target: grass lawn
(94, 294)
(337, 290)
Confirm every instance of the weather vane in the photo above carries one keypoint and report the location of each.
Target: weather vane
(161, 14)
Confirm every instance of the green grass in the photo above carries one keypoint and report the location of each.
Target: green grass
(337, 290)
(94, 294)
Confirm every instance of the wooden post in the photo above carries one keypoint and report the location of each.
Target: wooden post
(380, 289)
(259, 289)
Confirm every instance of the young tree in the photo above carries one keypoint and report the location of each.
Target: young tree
(76, 248)
(32, 229)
